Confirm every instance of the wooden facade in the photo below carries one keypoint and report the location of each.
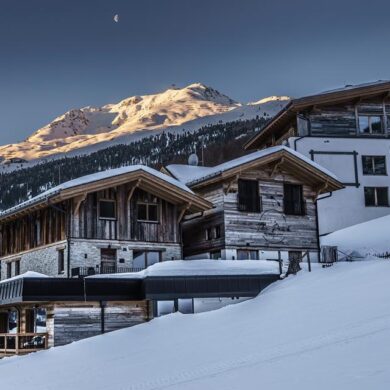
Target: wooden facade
(127, 225)
(268, 229)
(137, 211)
(332, 114)
(31, 231)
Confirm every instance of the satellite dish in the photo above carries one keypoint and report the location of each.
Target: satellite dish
(116, 18)
(193, 160)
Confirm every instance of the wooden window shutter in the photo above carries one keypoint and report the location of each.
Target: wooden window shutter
(248, 196)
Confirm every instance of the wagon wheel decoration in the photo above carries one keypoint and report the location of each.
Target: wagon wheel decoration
(272, 224)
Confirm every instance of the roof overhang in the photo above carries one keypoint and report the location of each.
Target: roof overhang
(140, 178)
(283, 159)
(285, 116)
(44, 290)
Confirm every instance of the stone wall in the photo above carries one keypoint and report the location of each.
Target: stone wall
(84, 253)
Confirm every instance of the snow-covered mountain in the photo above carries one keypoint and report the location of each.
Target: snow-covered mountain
(175, 109)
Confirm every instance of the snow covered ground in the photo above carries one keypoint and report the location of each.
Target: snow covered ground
(329, 329)
(364, 239)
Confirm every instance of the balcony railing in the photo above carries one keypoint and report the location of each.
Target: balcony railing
(22, 343)
(82, 272)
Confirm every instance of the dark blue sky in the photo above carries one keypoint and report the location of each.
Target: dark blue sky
(61, 54)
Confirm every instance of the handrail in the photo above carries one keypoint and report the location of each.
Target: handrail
(11, 342)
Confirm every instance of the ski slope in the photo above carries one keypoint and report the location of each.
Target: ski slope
(329, 329)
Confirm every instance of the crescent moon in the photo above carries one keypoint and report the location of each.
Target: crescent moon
(116, 18)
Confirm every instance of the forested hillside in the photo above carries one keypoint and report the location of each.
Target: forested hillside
(221, 142)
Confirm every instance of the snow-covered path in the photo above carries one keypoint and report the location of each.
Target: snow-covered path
(327, 329)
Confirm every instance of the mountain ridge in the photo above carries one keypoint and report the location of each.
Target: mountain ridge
(175, 109)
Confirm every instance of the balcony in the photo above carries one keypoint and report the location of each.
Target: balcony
(81, 272)
(22, 343)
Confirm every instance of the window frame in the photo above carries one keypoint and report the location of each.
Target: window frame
(61, 261)
(373, 173)
(148, 204)
(376, 197)
(302, 205)
(146, 252)
(115, 209)
(248, 250)
(241, 196)
(369, 116)
(17, 267)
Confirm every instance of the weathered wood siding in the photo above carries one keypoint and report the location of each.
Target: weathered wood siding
(341, 120)
(194, 230)
(268, 229)
(77, 321)
(32, 231)
(87, 224)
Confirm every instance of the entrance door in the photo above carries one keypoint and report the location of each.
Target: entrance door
(3, 322)
(108, 261)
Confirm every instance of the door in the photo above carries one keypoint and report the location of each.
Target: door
(108, 261)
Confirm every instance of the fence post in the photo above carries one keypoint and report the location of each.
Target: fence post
(308, 261)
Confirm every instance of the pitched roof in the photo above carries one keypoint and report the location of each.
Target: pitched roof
(347, 93)
(165, 184)
(196, 176)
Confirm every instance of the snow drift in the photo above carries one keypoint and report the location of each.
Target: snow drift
(369, 238)
(329, 329)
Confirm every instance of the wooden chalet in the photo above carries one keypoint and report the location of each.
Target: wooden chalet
(347, 131)
(113, 221)
(264, 206)
(340, 113)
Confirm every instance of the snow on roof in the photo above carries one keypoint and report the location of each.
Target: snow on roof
(191, 175)
(349, 87)
(202, 268)
(93, 178)
(26, 275)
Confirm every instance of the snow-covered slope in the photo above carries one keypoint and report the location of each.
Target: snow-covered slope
(175, 109)
(365, 239)
(329, 329)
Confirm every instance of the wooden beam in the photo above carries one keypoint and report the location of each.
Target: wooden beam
(276, 167)
(131, 192)
(230, 183)
(182, 212)
(320, 190)
(78, 200)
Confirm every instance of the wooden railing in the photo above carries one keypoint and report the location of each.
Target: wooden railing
(21, 343)
(88, 271)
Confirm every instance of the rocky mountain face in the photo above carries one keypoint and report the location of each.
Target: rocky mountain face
(174, 110)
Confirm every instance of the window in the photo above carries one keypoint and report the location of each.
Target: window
(9, 270)
(370, 124)
(17, 267)
(218, 231)
(247, 254)
(376, 196)
(374, 165)
(293, 200)
(147, 212)
(213, 232)
(248, 196)
(144, 259)
(107, 209)
(61, 261)
(216, 255)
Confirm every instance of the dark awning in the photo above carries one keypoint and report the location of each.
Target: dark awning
(127, 289)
